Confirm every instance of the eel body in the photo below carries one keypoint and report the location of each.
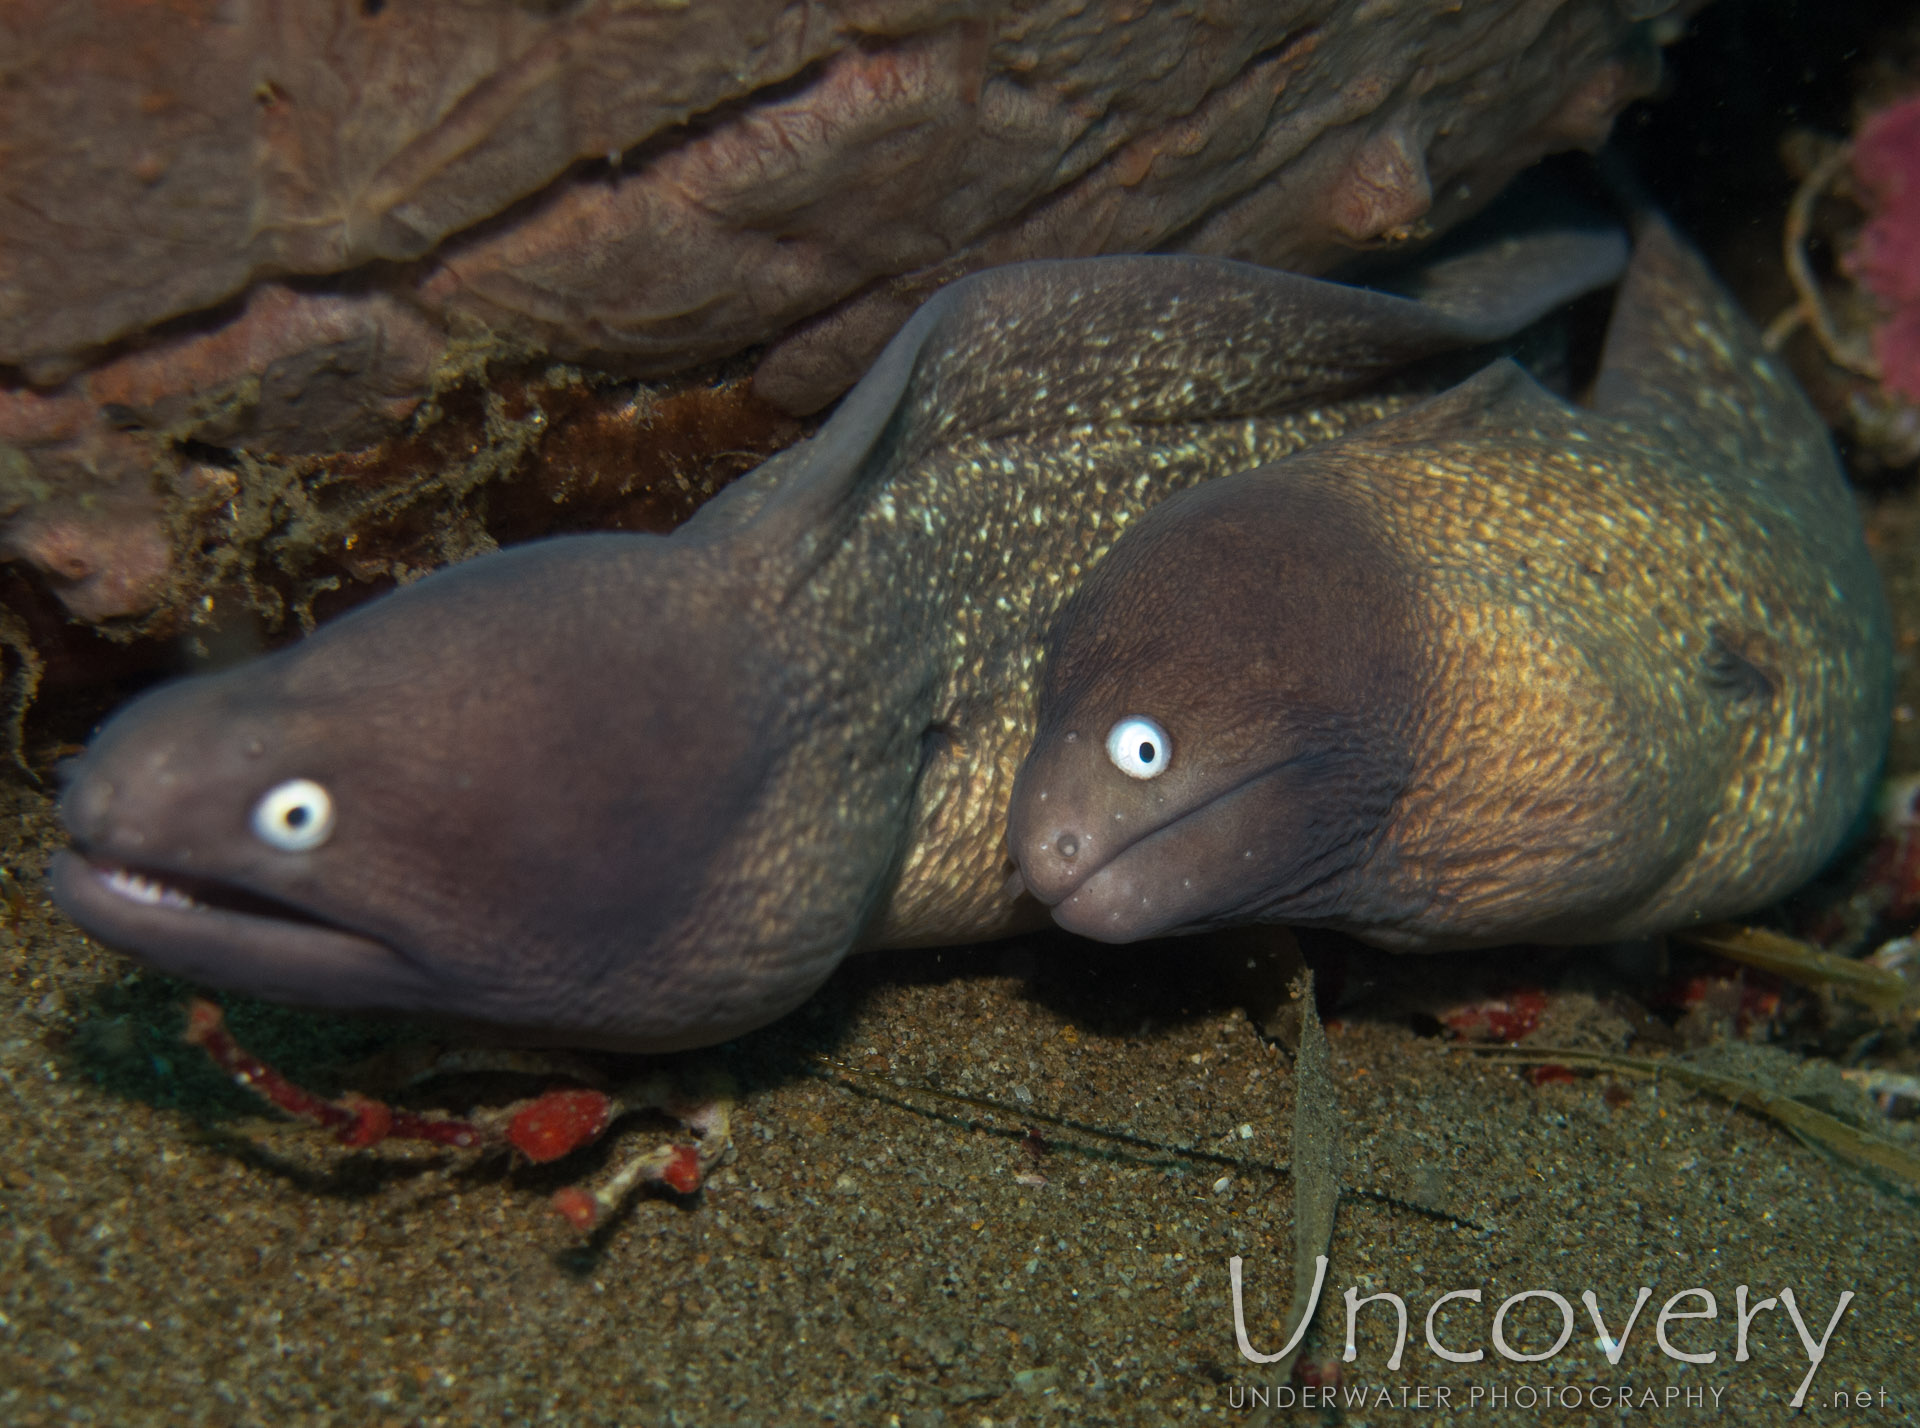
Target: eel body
(646, 792)
(1495, 668)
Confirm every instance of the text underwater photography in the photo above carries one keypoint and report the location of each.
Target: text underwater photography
(1351, 1383)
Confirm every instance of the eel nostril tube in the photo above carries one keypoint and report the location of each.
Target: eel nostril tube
(1068, 845)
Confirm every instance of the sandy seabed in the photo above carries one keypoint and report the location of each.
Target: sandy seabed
(173, 1254)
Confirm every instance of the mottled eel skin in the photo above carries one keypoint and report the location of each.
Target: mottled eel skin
(1494, 668)
(646, 792)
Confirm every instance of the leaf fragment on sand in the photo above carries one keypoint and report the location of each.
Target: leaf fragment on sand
(1853, 1145)
(1880, 988)
(1316, 1159)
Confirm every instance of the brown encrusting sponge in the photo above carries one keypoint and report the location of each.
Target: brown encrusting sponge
(239, 247)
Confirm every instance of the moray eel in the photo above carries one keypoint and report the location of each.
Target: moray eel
(646, 792)
(1496, 668)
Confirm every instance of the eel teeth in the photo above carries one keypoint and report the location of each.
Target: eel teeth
(139, 888)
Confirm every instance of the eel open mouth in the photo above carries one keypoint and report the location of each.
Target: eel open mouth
(227, 936)
(188, 894)
(141, 888)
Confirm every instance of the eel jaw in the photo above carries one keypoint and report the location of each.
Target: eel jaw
(1121, 900)
(1135, 890)
(226, 937)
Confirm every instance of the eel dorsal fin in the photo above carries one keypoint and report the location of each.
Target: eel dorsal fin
(1140, 340)
(1681, 356)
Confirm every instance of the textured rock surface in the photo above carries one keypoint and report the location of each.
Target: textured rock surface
(278, 229)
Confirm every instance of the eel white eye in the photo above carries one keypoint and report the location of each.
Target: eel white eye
(1139, 747)
(295, 816)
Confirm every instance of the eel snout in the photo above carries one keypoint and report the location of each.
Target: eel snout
(154, 868)
(1053, 829)
(1090, 851)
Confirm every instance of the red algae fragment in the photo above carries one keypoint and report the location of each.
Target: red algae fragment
(1738, 998)
(374, 1123)
(683, 1171)
(559, 1123)
(1505, 1018)
(547, 1128)
(358, 1120)
(579, 1208)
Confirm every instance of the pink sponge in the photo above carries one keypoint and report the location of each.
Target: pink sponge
(1886, 161)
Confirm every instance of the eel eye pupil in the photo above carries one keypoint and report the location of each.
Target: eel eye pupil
(294, 817)
(1139, 747)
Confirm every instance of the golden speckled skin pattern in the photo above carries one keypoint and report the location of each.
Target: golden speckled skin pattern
(910, 616)
(645, 793)
(1073, 495)
(940, 594)
(1659, 654)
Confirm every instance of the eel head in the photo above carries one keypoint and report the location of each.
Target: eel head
(508, 794)
(1223, 718)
